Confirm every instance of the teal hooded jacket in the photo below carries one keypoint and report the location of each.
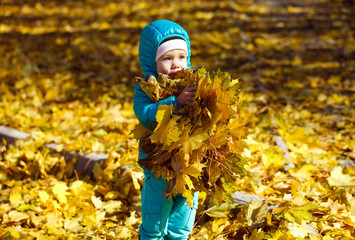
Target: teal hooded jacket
(145, 110)
(151, 37)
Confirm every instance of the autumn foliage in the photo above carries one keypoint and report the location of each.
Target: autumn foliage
(67, 74)
(199, 148)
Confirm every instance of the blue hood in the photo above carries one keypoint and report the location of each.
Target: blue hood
(151, 37)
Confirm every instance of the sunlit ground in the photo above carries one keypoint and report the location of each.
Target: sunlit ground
(67, 72)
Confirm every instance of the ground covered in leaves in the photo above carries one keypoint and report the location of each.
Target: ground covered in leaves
(67, 72)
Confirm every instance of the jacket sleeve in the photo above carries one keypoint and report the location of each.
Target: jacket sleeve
(145, 109)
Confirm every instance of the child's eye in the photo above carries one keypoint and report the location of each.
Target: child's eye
(182, 57)
(167, 59)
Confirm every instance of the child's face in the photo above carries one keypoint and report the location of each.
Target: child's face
(172, 61)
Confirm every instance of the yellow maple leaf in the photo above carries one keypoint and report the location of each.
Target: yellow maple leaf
(203, 87)
(299, 230)
(112, 206)
(150, 86)
(122, 232)
(97, 202)
(183, 183)
(132, 219)
(257, 234)
(168, 134)
(188, 181)
(300, 213)
(72, 225)
(237, 127)
(180, 186)
(140, 131)
(173, 134)
(194, 169)
(256, 212)
(160, 133)
(218, 138)
(237, 146)
(15, 216)
(305, 171)
(186, 126)
(60, 192)
(338, 179)
(272, 159)
(43, 196)
(188, 195)
(81, 189)
(220, 224)
(224, 101)
(97, 146)
(194, 142)
(15, 197)
(89, 219)
(51, 94)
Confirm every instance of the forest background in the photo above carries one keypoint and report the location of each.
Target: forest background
(67, 72)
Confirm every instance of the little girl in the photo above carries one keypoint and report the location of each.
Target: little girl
(164, 48)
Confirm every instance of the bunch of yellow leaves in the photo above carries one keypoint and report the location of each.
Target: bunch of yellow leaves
(197, 148)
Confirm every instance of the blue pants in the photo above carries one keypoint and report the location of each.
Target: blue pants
(163, 218)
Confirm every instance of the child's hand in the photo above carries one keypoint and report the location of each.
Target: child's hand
(187, 96)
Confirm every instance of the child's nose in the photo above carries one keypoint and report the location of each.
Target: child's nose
(175, 64)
